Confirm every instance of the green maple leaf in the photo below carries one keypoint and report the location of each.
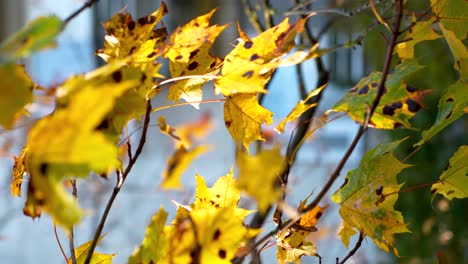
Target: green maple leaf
(452, 13)
(368, 195)
(454, 180)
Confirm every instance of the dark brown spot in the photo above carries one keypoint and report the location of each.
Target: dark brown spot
(179, 57)
(132, 50)
(227, 124)
(364, 89)
(222, 253)
(318, 215)
(212, 202)
(388, 110)
(346, 180)
(433, 191)
(196, 24)
(152, 54)
(43, 168)
(131, 25)
(449, 100)
(117, 76)
(397, 125)
(413, 106)
(192, 66)
(379, 190)
(105, 124)
(151, 19)
(450, 192)
(193, 53)
(248, 44)
(449, 115)
(248, 74)
(216, 234)
(218, 196)
(142, 21)
(373, 85)
(143, 78)
(447, 167)
(254, 57)
(410, 89)
(212, 64)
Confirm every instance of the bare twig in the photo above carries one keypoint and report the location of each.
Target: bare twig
(354, 250)
(60, 244)
(81, 9)
(72, 235)
(120, 182)
(360, 132)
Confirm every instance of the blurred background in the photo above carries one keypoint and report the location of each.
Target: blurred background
(438, 226)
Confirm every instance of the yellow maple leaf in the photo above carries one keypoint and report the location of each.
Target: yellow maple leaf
(419, 32)
(19, 169)
(81, 253)
(178, 163)
(261, 170)
(243, 116)
(293, 245)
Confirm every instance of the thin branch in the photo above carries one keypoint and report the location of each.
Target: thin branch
(379, 18)
(60, 244)
(120, 182)
(72, 235)
(81, 9)
(360, 132)
(354, 250)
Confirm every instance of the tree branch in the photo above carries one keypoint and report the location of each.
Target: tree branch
(120, 182)
(360, 132)
(81, 9)
(354, 250)
(72, 235)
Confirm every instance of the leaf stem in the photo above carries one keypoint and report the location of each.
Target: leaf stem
(360, 132)
(121, 179)
(60, 244)
(88, 4)
(185, 77)
(354, 250)
(72, 235)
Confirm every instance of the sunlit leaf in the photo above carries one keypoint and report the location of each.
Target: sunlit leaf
(261, 170)
(454, 180)
(452, 13)
(154, 245)
(421, 31)
(452, 105)
(301, 107)
(98, 258)
(19, 169)
(293, 245)
(39, 34)
(368, 196)
(243, 117)
(398, 104)
(459, 52)
(178, 163)
(346, 233)
(15, 92)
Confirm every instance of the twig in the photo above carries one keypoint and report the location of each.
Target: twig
(379, 18)
(354, 250)
(60, 244)
(81, 9)
(360, 132)
(72, 235)
(120, 182)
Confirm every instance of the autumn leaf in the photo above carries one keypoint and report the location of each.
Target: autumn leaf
(245, 69)
(98, 258)
(178, 163)
(398, 104)
(154, 245)
(39, 34)
(301, 107)
(224, 193)
(243, 117)
(452, 105)
(263, 170)
(19, 169)
(452, 13)
(454, 180)
(15, 92)
(293, 245)
(368, 196)
(459, 52)
(421, 31)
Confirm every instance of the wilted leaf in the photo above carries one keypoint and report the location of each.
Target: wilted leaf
(398, 104)
(178, 163)
(368, 195)
(454, 180)
(15, 92)
(37, 35)
(261, 170)
(154, 245)
(19, 169)
(243, 117)
(452, 13)
(451, 107)
(421, 31)
(98, 258)
(301, 107)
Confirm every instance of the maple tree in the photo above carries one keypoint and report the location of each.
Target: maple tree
(83, 134)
